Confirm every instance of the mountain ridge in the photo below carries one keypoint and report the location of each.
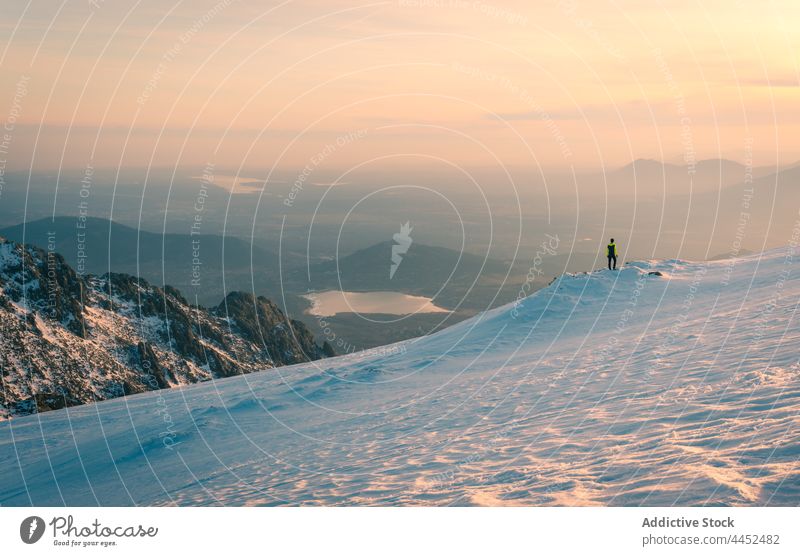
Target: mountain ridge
(69, 339)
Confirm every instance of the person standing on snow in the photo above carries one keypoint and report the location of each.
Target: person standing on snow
(611, 252)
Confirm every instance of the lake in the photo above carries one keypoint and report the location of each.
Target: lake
(326, 304)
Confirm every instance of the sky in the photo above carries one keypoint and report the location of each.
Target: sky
(253, 87)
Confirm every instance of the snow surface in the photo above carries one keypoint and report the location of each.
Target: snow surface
(624, 388)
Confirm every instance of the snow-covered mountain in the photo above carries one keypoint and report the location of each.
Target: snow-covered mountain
(67, 339)
(667, 382)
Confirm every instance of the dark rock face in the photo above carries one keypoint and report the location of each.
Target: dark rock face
(149, 364)
(67, 339)
(260, 321)
(44, 282)
(327, 349)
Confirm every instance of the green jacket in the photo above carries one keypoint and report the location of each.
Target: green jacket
(611, 250)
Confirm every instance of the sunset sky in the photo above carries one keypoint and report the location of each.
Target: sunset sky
(251, 85)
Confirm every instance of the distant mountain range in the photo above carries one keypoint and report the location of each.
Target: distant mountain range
(652, 177)
(67, 339)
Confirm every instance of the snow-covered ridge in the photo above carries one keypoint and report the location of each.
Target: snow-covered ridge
(67, 339)
(665, 382)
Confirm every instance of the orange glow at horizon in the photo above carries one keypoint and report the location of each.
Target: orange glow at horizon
(562, 84)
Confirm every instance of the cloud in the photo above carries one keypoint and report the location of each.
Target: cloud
(632, 111)
(766, 82)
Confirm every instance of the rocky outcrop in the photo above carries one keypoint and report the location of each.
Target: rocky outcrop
(67, 339)
(260, 321)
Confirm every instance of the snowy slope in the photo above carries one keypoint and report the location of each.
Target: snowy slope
(668, 382)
